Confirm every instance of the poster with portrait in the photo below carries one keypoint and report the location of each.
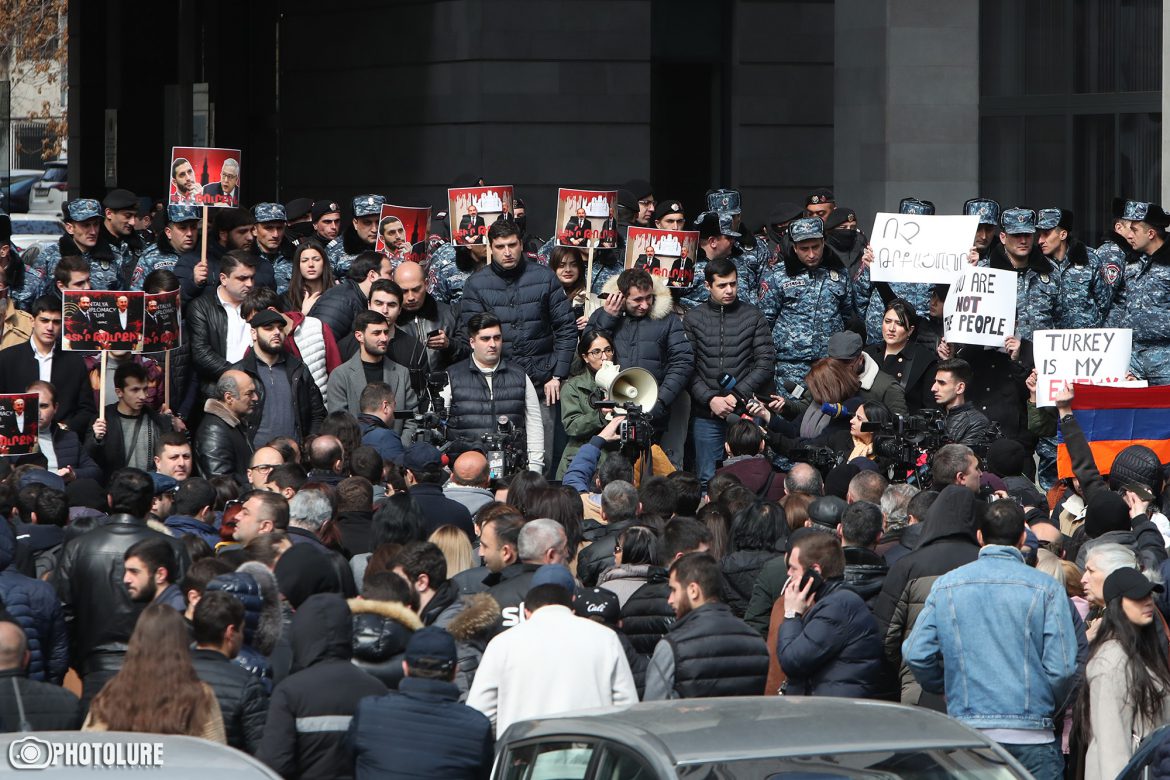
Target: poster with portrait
(161, 323)
(472, 210)
(400, 229)
(586, 218)
(95, 320)
(18, 424)
(200, 176)
(669, 254)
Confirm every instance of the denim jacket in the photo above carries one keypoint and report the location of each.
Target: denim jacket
(1001, 637)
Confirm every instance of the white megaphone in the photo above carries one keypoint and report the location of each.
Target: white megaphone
(632, 386)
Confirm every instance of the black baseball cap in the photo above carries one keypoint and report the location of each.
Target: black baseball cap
(1129, 583)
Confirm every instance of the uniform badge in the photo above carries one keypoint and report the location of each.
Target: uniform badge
(1111, 272)
(1044, 278)
(834, 275)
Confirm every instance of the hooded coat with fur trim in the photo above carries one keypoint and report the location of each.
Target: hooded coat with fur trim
(472, 629)
(255, 586)
(381, 630)
(656, 342)
(1037, 290)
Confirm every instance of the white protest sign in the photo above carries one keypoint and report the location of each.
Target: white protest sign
(980, 307)
(1092, 355)
(920, 248)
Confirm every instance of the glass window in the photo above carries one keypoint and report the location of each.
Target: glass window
(621, 764)
(549, 761)
(941, 764)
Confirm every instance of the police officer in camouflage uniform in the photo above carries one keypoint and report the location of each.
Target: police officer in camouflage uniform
(177, 238)
(1084, 293)
(987, 232)
(1148, 293)
(269, 247)
(1116, 252)
(917, 295)
(806, 298)
(83, 224)
(1037, 283)
(749, 255)
(118, 234)
(23, 281)
(361, 236)
(449, 268)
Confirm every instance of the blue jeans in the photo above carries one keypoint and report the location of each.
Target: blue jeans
(707, 436)
(1044, 762)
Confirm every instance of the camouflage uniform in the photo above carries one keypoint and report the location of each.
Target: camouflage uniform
(340, 256)
(1037, 284)
(279, 260)
(805, 306)
(1085, 294)
(1147, 302)
(1118, 266)
(161, 254)
(446, 276)
(104, 271)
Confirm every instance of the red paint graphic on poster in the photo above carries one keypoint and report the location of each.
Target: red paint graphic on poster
(669, 254)
(102, 320)
(161, 323)
(18, 424)
(472, 210)
(402, 228)
(585, 218)
(200, 176)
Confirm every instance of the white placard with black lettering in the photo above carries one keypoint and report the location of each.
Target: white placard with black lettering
(980, 307)
(1098, 356)
(920, 248)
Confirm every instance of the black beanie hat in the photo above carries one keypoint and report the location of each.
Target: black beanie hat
(1136, 464)
(1006, 458)
(1105, 512)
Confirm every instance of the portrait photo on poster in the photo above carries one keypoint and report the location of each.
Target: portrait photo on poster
(472, 210)
(203, 176)
(585, 218)
(18, 423)
(96, 320)
(669, 254)
(403, 232)
(161, 324)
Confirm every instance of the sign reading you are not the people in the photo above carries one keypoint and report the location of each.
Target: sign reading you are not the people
(980, 307)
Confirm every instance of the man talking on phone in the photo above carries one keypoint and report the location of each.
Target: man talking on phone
(828, 644)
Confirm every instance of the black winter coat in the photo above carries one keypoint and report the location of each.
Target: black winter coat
(598, 557)
(657, 342)
(75, 405)
(241, 697)
(381, 630)
(834, 649)
(308, 406)
(206, 324)
(647, 616)
(717, 654)
(110, 453)
(421, 731)
(89, 583)
(865, 572)
(33, 605)
(338, 306)
(509, 587)
(47, 707)
(740, 570)
(223, 444)
(964, 424)
(913, 368)
(540, 331)
(310, 712)
(436, 316)
(732, 339)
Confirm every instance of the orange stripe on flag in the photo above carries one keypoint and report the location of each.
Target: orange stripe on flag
(1105, 451)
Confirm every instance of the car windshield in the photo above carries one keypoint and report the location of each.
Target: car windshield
(972, 764)
(35, 227)
(56, 173)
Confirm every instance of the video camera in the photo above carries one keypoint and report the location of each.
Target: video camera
(905, 439)
(820, 458)
(432, 424)
(505, 448)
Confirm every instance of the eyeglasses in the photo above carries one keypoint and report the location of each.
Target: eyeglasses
(647, 202)
(263, 467)
(596, 353)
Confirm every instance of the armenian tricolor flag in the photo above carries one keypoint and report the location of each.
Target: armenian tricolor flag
(1114, 418)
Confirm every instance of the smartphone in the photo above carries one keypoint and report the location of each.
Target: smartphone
(813, 576)
(433, 333)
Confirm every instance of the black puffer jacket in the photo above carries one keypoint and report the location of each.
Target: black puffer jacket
(647, 616)
(540, 332)
(255, 587)
(732, 339)
(716, 654)
(948, 542)
(89, 584)
(834, 649)
(381, 630)
(34, 607)
(338, 306)
(656, 342)
(311, 709)
(740, 570)
(865, 572)
(242, 698)
(223, 444)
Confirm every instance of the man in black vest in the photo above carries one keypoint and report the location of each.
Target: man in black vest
(708, 651)
(484, 387)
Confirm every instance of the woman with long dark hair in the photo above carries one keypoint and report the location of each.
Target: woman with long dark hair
(901, 356)
(311, 277)
(1127, 682)
(569, 267)
(157, 691)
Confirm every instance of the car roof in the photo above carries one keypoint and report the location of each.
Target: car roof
(697, 730)
(184, 758)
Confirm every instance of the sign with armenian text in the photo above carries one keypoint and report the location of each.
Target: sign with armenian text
(102, 319)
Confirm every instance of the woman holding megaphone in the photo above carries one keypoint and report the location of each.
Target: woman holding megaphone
(580, 419)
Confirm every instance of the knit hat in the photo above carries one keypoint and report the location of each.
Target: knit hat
(1006, 457)
(1106, 511)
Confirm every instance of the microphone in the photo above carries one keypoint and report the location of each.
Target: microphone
(727, 383)
(835, 410)
(793, 389)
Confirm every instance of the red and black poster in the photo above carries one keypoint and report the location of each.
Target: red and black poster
(102, 320)
(666, 253)
(400, 229)
(18, 423)
(586, 218)
(472, 210)
(200, 176)
(161, 324)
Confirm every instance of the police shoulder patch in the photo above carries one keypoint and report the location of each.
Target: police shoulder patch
(1111, 272)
